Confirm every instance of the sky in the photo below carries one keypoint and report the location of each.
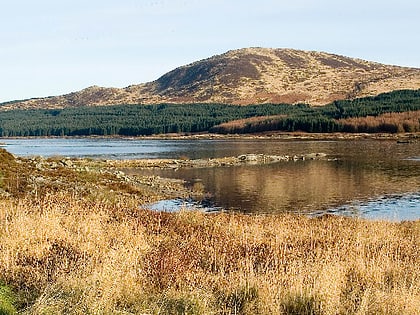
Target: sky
(54, 47)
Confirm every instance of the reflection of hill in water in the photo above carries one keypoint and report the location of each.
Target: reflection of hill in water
(303, 186)
(292, 187)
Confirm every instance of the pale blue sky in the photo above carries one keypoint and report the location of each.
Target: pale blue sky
(53, 47)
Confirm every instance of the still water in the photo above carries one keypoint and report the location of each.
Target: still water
(367, 178)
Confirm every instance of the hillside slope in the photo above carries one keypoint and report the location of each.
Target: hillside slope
(249, 76)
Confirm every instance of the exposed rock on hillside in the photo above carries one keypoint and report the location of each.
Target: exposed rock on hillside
(248, 76)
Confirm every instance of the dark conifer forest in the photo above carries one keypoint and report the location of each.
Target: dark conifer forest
(397, 111)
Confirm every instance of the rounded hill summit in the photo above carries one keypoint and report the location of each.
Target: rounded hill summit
(250, 76)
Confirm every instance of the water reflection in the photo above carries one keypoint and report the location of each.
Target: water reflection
(363, 169)
(295, 186)
(392, 207)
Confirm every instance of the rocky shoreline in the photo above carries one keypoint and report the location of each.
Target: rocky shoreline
(243, 159)
(274, 135)
(279, 135)
(121, 177)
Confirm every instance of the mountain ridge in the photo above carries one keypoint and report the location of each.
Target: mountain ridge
(249, 76)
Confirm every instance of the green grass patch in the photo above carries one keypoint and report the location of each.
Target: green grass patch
(7, 301)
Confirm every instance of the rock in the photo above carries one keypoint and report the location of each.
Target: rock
(119, 175)
(39, 166)
(250, 157)
(315, 156)
(67, 163)
(263, 158)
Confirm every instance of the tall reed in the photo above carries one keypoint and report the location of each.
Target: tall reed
(66, 255)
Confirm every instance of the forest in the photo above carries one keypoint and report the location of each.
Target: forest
(397, 111)
(381, 113)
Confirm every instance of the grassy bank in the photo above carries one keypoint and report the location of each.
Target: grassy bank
(60, 255)
(89, 249)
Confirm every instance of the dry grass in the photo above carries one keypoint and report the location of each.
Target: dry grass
(62, 255)
(89, 249)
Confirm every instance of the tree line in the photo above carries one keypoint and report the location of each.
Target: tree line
(127, 120)
(397, 111)
(137, 120)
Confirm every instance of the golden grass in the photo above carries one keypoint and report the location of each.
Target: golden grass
(66, 255)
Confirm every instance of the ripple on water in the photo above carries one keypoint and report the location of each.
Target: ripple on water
(177, 204)
(389, 207)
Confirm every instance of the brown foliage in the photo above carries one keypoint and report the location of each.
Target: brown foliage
(247, 125)
(389, 122)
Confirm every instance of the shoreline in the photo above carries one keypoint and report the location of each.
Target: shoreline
(414, 136)
(290, 136)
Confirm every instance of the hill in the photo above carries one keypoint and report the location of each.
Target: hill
(250, 76)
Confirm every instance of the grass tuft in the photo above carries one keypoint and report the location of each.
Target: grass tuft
(302, 304)
(7, 301)
(241, 301)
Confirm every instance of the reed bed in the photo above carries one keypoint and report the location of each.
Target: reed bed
(65, 255)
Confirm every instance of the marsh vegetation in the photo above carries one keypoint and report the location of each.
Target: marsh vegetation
(90, 249)
(61, 255)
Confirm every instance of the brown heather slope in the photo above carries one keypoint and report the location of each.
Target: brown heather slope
(249, 76)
